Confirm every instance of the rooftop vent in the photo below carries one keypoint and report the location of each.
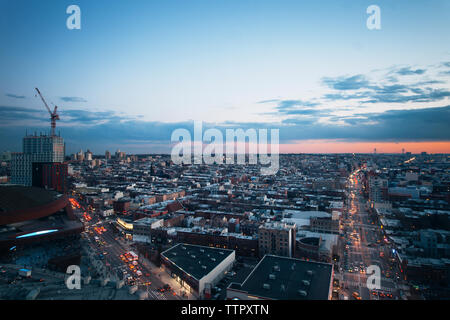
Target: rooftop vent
(183, 247)
(266, 286)
(271, 276)
(221, 252)
(202, 250)
(193, 256)
(174, 253)
(283, 287)
(309, 272)
(276, 268)
(302, 293)
(213, 259)
(204, 267)
(293, 266)
(306, 282)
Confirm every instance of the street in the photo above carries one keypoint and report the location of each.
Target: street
(364, 246)
(107, 247)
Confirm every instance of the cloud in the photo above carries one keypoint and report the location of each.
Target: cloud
(73, 99)
(300, 119)
(290, 104)
(422, 95)
(346, 83)
(269, 101)
(389, 89)
(89, 117)
(407, 71)
(11, 114)
(15, 96)
(426, 124)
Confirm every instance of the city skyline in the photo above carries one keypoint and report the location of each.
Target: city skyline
(133, 74)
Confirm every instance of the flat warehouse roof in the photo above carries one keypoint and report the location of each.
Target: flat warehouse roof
(198, 261)
(283, 278)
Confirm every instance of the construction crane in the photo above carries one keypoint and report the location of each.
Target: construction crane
(53, 115)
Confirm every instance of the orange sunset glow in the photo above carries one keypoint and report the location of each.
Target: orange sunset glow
(334, 146)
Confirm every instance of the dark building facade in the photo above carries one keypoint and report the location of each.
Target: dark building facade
(50, 175)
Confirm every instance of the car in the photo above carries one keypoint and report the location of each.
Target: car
(356, 295)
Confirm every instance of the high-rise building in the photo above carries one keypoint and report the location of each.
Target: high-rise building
(44, 148)
(88, 155)
(21, 169)
(36, 149)
(80, 156)
(107, 155)
(277, 238)
(120, 155)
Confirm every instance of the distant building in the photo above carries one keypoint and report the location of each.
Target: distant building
(120, 155)
(142, 229)
(107, 155)
(324, 224)
(277, 238)
(121, 206)
(80, 156)
(377, 189)
(88, 155)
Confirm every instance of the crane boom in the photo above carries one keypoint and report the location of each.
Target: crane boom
(43, 100)
(53, 115)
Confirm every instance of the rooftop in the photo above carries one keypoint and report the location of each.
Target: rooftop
(13, 198)
(283, 278)
(198, 261)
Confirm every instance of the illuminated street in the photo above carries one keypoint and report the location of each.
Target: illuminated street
(364, 246)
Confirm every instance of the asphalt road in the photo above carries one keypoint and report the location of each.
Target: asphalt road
(114, 246)
(364, 246)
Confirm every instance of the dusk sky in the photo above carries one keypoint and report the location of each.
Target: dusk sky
(137, 70)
